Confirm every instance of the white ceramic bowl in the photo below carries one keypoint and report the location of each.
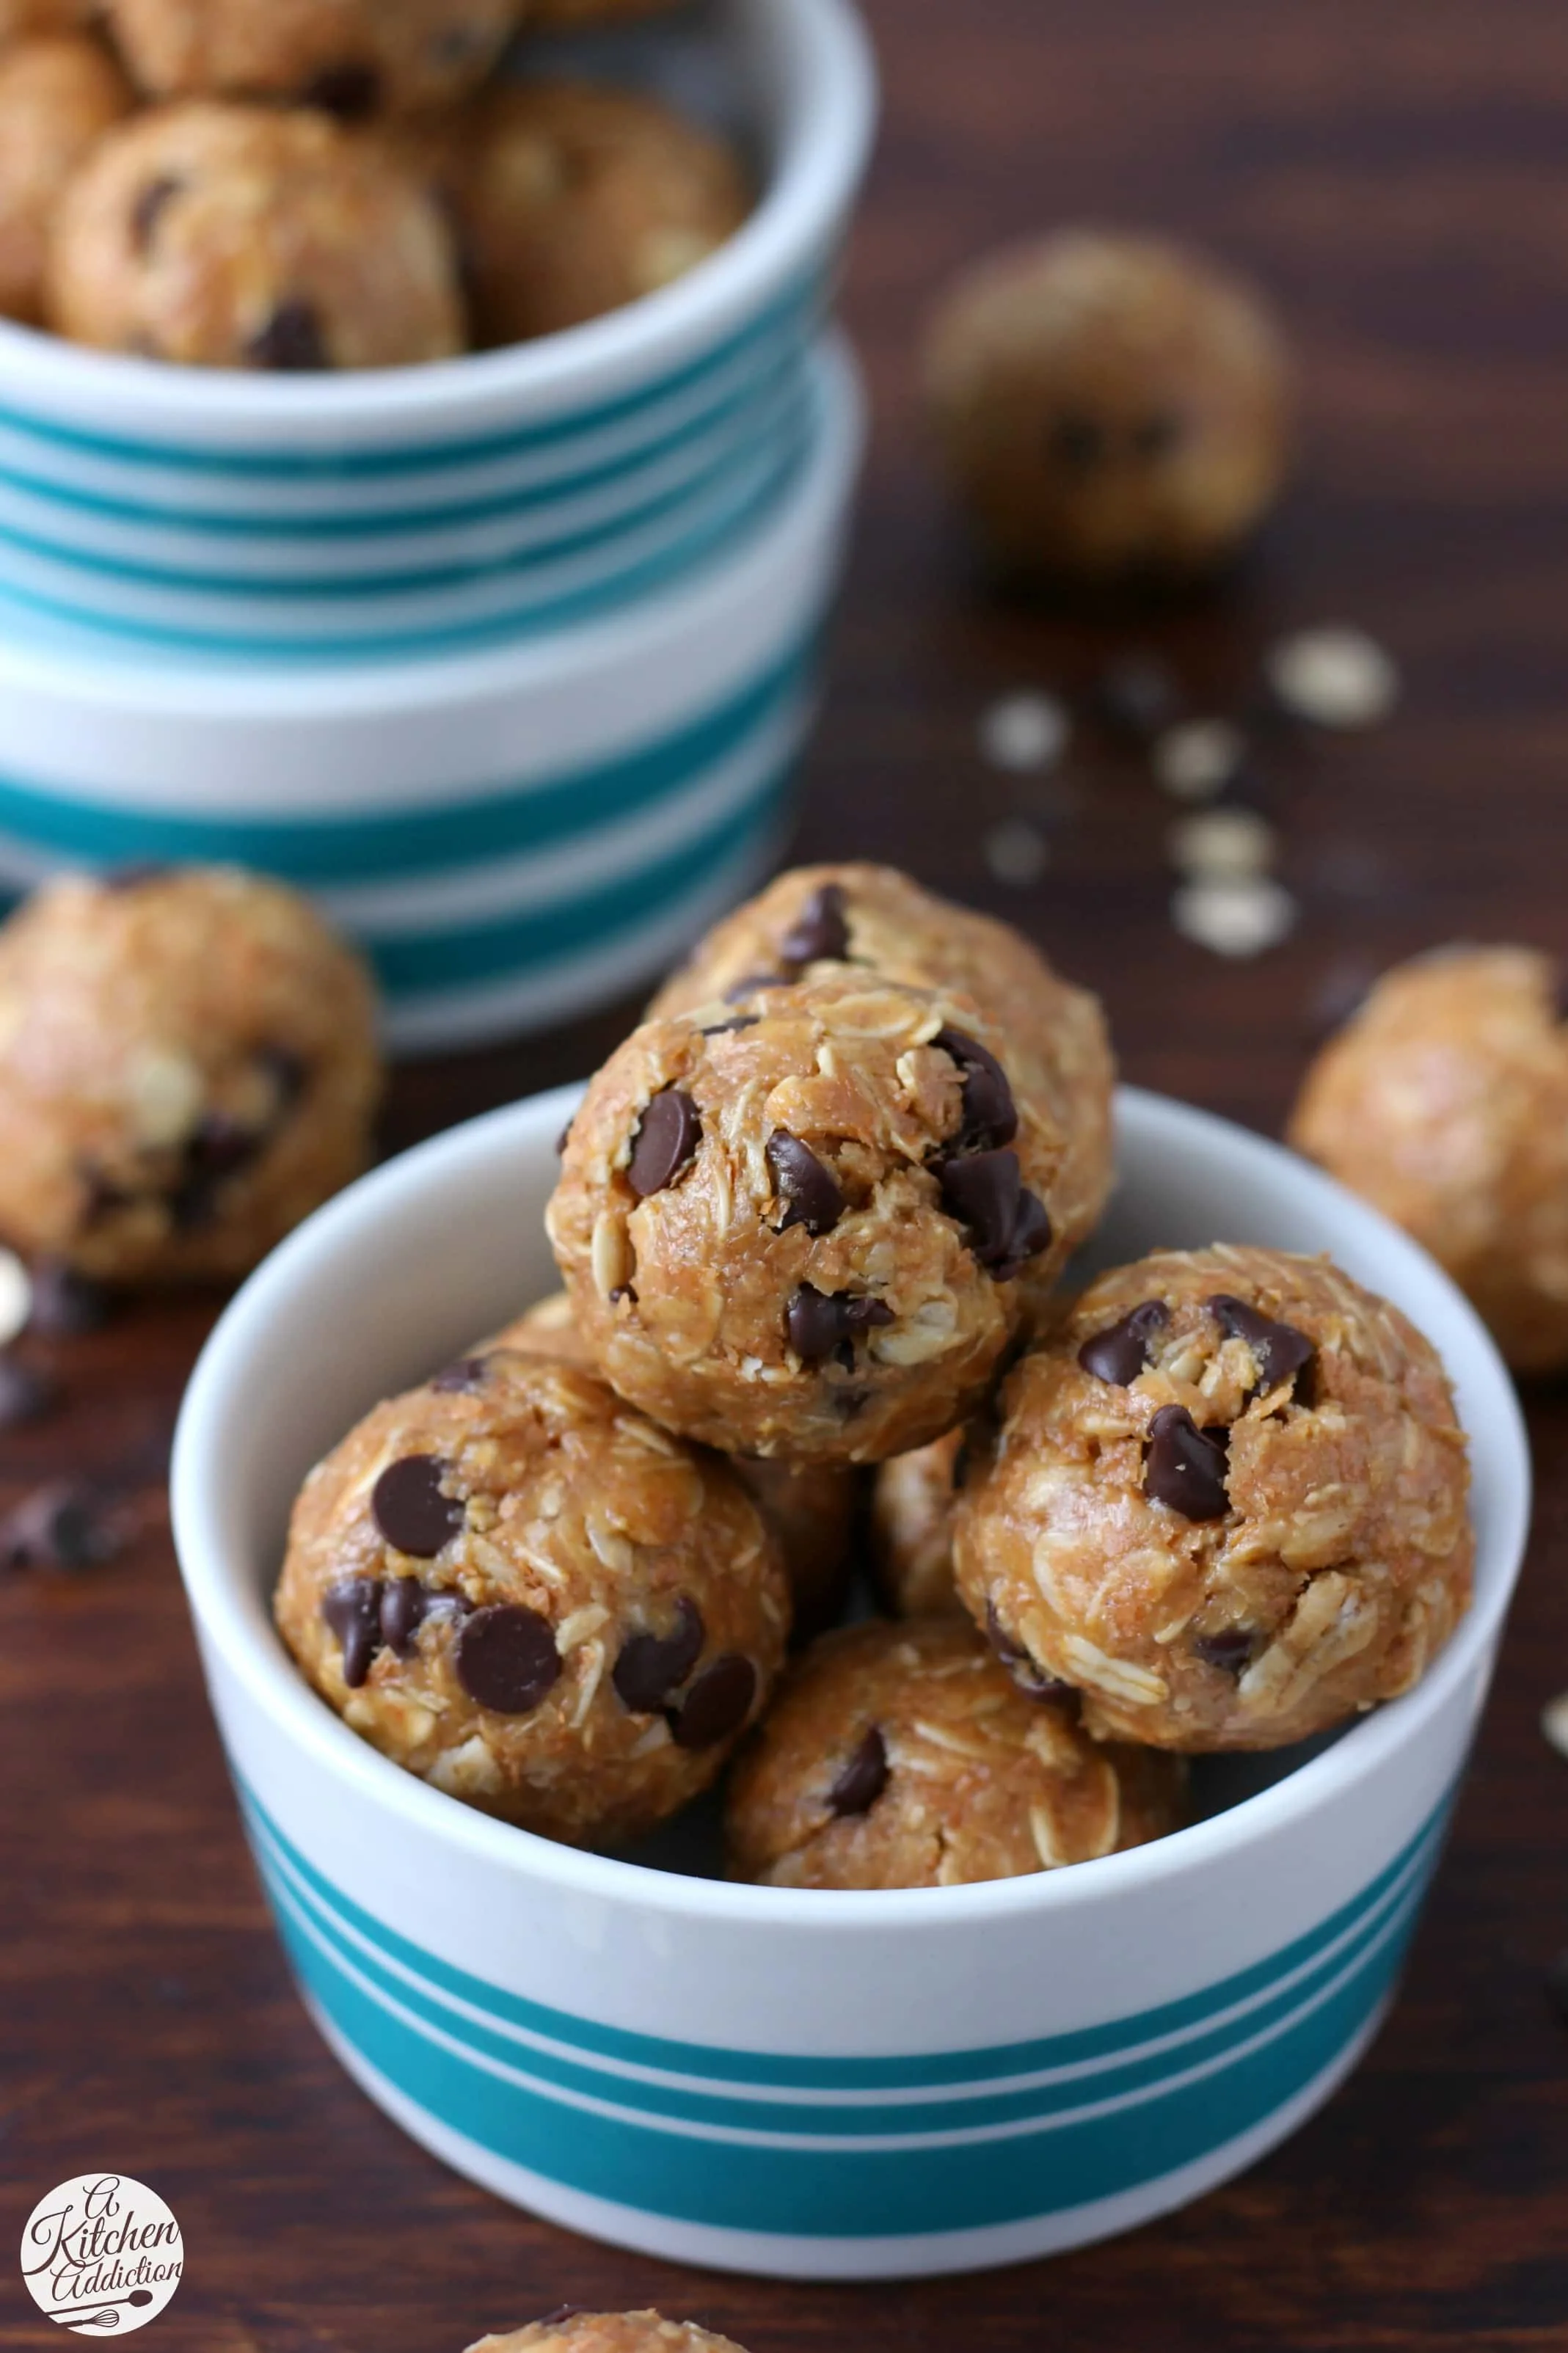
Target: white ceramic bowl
(834, 2085)
(400, 512)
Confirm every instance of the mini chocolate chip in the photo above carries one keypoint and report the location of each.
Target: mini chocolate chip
(718, 1703)
(818, 1322)
(1031, 1234)
(1155, 435)
(627, 1290)
(506, 1659)
(1031, 1680)
(290, 342)
(352, 1608)
(1120, 1353)
(462, 1378)
(727, 1029)
(990, 1114)
(409, 1508)
(403, 1610)
(26, 1394)
(562, 1140)
(1231, 1650)
(562, 2312)
(1077, 442)
(147, 209)
(1282, 1352)
(753, 982)
(64, 1526)
(351, 90)
(288, 1069)
(1136, 697)
(669, 1134)
(820, 934)
(652, 1667)
(66, 1305)
(863, 1778)
(811, 1190)
(1184, 1466)
(218, 1151)
(1005, 1225)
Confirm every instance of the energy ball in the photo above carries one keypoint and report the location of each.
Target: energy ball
(1058, 1061)
(1445, 1103)
(21, 19)
(234, 237)
(516, 1586)
(811, 1507)
(352, 57)
(572, 200)
(912, 1505)
(1227, 1504)
(607, 2332)
(188, 1066)
(906, 1756)
(57, 98)
(1108, 405)
(790, 1225)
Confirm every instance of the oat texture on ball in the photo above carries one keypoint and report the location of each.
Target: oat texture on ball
(188, 1066)
(1445, 1103)
(906, 1756)
(519, 1588)
(1108, 405)
(607, 2332)
(793, 1222)
(352, 57)
(912, 1504)
(58, 99)
(237, 237)
(1227, 1502)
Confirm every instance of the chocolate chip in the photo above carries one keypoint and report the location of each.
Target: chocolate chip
(409, 1508)
(1031, 1680)
(652, 1667)
(26, 1394)
(811, 1190)
(288, 1069)
(1136, 697)
(819, 1324)
(403, 1607)
(506, 1659)
(218, 1151)
(351, 90)
(147, 209)
(291, 343)
(727, 1029)
(863, 1778)
(1231, 1650)
(820, 934)
(1282, 1352)
(751, 983)
(1155, 435)
(669, 1133)
(461, 1378)
(1075, 442)
(562, 1140)
(562, 2312)
(66, 1304)
(1185, 1466)
(352, 1608)
(1005, 1225)
(1120, 1353)
(990, 1114)
(718, 1703)
(65, 1527)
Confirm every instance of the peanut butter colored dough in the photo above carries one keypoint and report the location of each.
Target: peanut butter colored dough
(516, 1586)
(912, 1505)
(353, 56)
(607, 2332)
(1058, 1053)
(1108, 404)
(775, 1235)
(1445, 1103)
(906, 1756)
(1240, 1594)
(812, 1507)
(57, 98)
(188, 1066)
(572, 200)
(20, 20)
(234, 237)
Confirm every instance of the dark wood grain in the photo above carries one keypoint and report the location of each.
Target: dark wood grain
(1397, 170)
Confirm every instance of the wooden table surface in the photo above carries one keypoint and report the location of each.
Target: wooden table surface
(1397, 170)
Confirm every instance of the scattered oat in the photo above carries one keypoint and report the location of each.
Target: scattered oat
(1554, 1723)
(1228, 844)
(1234, 918)
(1023, 731)
(1333, 677)
(1199, 758)
(15, 1297)
(1016, 852)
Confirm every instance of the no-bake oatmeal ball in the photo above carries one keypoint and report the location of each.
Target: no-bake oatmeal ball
(234, 237)
(188, 1066)
(607, 2332)
(906, 1756)
(352, 57)
(1060, 1069)
(1445, 1103)
(912, 1503)
(58, 99)
(516, 1586)
(572, 200)
(793, 1225)
(1108, 405)
(1227, 1504)
(19, 19)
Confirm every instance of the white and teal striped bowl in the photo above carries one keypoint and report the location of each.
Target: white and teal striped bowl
(829, 2085)
(403, 512)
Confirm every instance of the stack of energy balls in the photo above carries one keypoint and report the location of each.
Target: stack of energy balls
(333, 183)
(809, 1220)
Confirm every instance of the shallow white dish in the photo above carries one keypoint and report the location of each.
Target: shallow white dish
(836, 2086)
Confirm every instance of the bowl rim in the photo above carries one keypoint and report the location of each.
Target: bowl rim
(228, 1609)
(824, 145)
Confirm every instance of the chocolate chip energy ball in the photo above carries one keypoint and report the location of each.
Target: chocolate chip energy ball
(188, 1066)
(1445, 1103)
(233, 237)
(1227, 1504)
(515, 1586)
(1058, 1073)
(1108, 405)
(788, 1224)
(607, 2332)
(912, 1503)
(352, 57)
(57, 98)
(572, 200)
(906, 1756)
